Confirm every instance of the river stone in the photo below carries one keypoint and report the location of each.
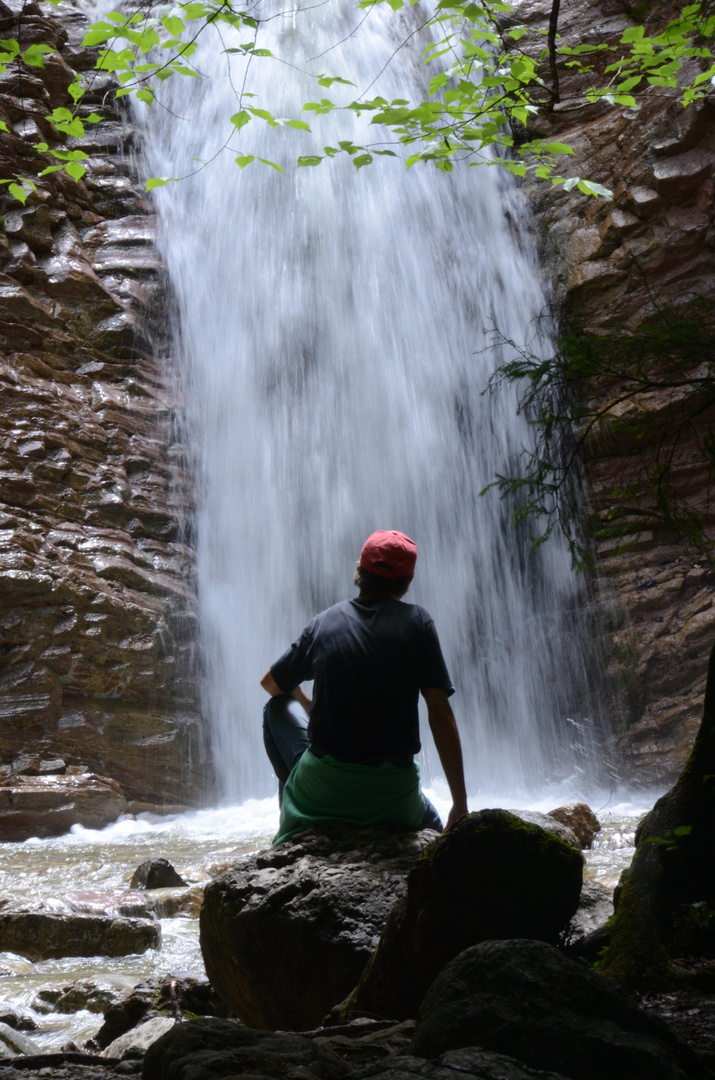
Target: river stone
(594, 910)
(551, 824)
(527, 999)
(156, 874)
(13, 1042)
(286, 933)
(42, 935)
(580, 818)
(492, 875)
(213, 1049)
(134, 1043)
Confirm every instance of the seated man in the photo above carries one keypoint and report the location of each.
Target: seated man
(349, 755)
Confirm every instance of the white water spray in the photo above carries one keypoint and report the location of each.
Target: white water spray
(333, 333)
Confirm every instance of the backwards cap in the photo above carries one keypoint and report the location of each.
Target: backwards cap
(389, 554)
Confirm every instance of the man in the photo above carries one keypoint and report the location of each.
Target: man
(349, 755)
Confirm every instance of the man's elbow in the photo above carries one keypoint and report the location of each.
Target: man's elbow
(270, 685)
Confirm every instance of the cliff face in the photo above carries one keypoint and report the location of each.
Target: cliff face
(97, 598)
(618, 266)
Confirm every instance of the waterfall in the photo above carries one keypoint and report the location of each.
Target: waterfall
(331, 334)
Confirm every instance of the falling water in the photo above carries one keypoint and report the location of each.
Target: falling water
(332, 333)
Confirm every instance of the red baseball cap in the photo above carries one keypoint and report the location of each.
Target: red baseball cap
(389, 554)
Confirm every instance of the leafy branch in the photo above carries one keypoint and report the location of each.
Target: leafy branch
(653, 390)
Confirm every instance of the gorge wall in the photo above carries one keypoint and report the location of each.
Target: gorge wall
(617, 266)
(97, 601)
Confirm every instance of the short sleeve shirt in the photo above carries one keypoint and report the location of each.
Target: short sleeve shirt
(369, 659)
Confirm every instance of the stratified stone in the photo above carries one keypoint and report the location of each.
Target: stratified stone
(285, 934)
(50, 805)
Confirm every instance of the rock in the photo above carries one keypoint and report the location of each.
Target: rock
(17, 1020)
(491, 875)
(135, 1042)
(44, 936)
(594, 910)
(12, 1042)
(526, 999)
(286, 933)
(580, 818)
(156, 874)
(172, 995)
(551, 824)
(472, 1063)
(45, 805)
(95, 997)
(215, 1049)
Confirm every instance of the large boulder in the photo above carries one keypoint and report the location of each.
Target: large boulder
(286, 933)
(49, 805)
(41, 935)
(215, 1049)
(580, 818)
(492, 875)
(528, 1000)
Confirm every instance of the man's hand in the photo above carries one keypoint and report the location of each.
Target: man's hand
(446, 738)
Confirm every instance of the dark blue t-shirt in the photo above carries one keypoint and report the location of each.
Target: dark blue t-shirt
(369, 659)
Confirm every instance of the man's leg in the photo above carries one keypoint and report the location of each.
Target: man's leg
(431, 819)
(285, 736)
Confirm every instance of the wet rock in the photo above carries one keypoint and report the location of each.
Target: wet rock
(491, 875)
(587, 932)
(16, 1019)
(286, 933)
(580, 818)
(50, 805)
(95, 997)
(171, 996)
(156, 874)
(472, 1063)
(525, 999)
(215, 1049)
(44, 936)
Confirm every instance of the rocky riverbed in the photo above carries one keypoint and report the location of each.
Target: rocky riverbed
(90, 872)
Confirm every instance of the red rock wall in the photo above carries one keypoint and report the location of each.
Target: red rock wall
(612, 263)
(97, 597)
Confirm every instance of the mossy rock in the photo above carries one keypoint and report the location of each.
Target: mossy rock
(491, 875)
(663, 931)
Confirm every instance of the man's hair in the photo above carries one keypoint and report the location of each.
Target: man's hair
(367, 582)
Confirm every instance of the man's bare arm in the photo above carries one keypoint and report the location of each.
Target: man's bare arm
(446, 738)
(270, 685)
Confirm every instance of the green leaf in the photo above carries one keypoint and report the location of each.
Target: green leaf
(75, 91)
(633, 33)
(98, 36)
(555, 148)
(9, 45)
(571, 183)
(244, 159)
(172, 25)
(4, 127)
(309, 159)
(272, 164)
(299, 125)
(18, 193)
(589, 187)
(683, 830)
(362, 159)
(240, 119)
(157, 181)
(75, 169)
(146, 96)
(33, 55)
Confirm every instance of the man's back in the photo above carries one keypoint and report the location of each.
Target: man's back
(369, 659)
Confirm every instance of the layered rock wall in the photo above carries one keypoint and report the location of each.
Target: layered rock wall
(617, 266)
(97, 597)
